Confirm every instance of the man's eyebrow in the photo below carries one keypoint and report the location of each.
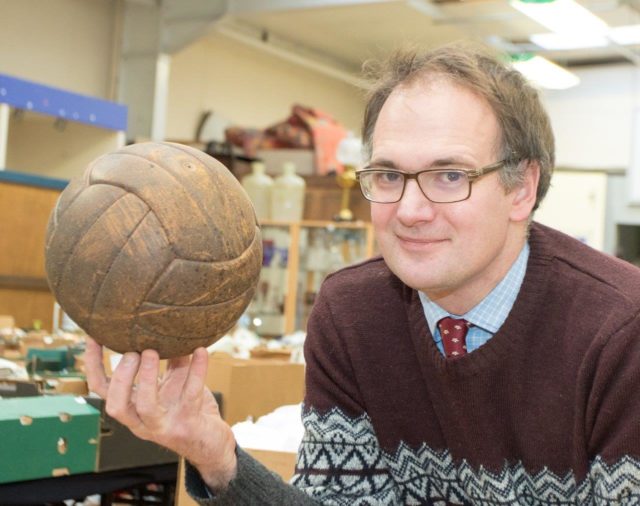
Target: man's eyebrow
(382, 162)
(440, 162)
(447, 162)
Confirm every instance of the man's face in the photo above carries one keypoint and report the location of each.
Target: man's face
(456, 253)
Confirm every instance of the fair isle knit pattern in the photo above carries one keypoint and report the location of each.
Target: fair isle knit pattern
(346, 450)
(336, 442)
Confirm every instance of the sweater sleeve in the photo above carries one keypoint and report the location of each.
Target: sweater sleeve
(340, 461)
(612, 420)
(253, 484)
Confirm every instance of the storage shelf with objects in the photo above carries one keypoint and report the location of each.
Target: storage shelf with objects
(47, 136)
(297, 257)
(54, 132)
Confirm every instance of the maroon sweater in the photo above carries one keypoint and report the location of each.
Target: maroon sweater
(548, 410)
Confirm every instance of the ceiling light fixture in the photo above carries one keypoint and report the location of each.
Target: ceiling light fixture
(543, 72)
(562, 16)
(558, 42)
(625, 35)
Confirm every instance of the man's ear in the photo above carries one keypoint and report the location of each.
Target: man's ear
(524, 196)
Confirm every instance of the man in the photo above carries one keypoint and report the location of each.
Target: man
(484, 359)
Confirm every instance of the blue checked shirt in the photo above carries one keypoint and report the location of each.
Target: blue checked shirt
(487, 316)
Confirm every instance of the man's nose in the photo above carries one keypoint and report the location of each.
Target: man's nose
(414, 205)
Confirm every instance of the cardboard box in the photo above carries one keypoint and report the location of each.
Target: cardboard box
(282, 463)
(14, 355)
(7, 321)
(254, 387)
(262, 352)
(75, 386)
(43, 341)
(47, 436)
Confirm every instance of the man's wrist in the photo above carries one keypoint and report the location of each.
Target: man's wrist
(217, 477)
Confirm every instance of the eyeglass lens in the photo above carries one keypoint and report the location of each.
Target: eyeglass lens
(386, 186)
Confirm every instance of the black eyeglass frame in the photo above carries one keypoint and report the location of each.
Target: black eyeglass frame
(472, 175)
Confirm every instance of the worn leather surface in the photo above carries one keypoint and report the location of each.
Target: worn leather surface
(156, 246)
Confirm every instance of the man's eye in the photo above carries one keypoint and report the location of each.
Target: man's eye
(453, 177)
(391, 177)
(450, 177)
(388, 177)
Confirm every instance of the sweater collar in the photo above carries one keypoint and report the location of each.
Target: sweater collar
(491, 312)
(515, 329)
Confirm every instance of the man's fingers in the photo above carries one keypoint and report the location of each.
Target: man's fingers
(195, 382)
(94, 367)
(147, 394)
(119, 399)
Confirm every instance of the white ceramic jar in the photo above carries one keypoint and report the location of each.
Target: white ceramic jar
(258, 185)
(287, 195)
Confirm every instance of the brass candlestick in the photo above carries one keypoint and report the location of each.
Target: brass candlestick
(346, 180)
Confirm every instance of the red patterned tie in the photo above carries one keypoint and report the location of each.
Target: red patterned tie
(454, 332)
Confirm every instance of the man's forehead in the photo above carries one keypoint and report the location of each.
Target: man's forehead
(434, 85)
(439, 105)
(436, 126)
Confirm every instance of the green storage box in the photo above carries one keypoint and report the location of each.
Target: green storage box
(47, 436)
(48, 359)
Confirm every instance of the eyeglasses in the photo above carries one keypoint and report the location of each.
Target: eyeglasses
(441, 186)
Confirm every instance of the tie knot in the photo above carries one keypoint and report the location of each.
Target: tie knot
(454, 333)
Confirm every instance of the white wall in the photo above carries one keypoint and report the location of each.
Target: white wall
(66, 44)
(593, 125)
(249, 87)
(35, 146)
(592, 122)
(62, 43)
(577, 205)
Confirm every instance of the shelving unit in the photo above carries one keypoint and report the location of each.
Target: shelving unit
(53, 132)
(291, 263)
(47, 136)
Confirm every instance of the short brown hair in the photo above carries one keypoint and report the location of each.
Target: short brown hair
(525, 127)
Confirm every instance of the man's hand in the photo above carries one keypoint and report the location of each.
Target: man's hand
(175, 410)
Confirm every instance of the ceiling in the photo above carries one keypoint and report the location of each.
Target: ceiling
(338, 36)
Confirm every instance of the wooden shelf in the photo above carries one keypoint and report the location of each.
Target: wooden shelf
(293, 270)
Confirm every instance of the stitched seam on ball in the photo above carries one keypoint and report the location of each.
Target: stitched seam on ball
(129, 189)
(134, 321)
(167, 235)
(106, 274)
(56, 215)
(204, 214)
(164, 336)
(87, 183)
(209, 176)
(233, 299)
(241, 261)
(81, 236)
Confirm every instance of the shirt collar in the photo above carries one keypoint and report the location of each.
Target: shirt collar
(491, 312)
